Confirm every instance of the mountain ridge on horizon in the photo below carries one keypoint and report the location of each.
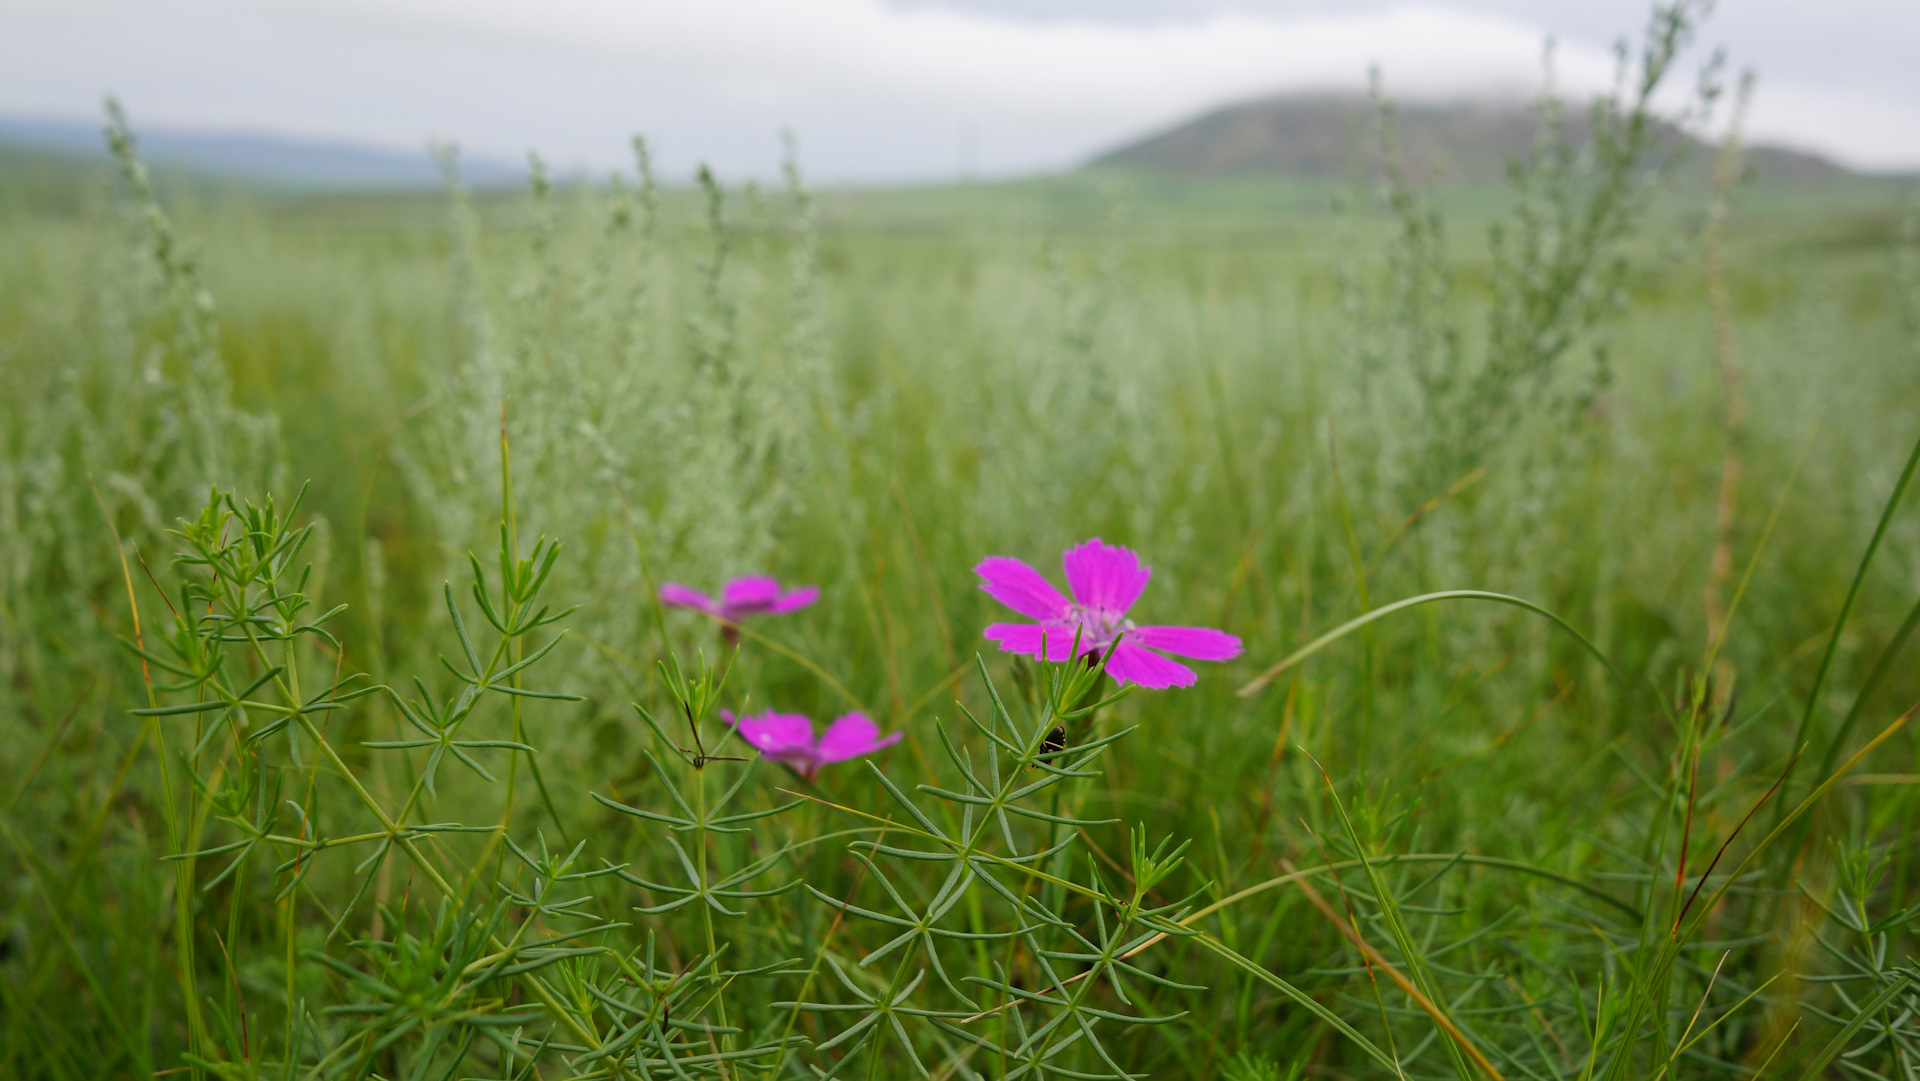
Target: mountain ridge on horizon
(1315, 135)
(277, 159)
(1325, 134)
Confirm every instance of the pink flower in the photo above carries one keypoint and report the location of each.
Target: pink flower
(759, 595)
(1105, 580)
(788, 738)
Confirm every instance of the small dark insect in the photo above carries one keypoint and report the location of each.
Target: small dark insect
(1055, 742)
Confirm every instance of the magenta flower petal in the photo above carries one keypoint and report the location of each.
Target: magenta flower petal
(1131, 664)
(850, 737)
(793, 600)
(1024, 638)
(1200, 643)
(1021, 588)
(784, 736)
(1105, 576)
(755, 595)
(755, 592)
(675, 595)
(788, 738)
(1105, 579)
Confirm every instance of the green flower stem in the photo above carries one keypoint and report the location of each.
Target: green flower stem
(706, 910)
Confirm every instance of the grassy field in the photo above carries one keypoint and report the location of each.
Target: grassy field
(1587, 835)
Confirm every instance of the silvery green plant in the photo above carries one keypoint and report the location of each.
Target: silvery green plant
(1559, 262)
(698, 359)
(137, 418)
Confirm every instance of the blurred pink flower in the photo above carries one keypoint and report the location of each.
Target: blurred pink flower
(788, 738)
(1105, 580)
(759, 595)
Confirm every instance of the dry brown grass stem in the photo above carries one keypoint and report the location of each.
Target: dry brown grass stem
(1377, 960)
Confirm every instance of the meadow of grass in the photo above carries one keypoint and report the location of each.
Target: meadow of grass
(1590, 835)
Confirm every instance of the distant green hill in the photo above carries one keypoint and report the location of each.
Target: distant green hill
(1327, 135)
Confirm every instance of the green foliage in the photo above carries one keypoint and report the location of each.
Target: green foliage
(364, 784)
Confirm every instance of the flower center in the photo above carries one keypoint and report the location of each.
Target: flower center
(1100, 628)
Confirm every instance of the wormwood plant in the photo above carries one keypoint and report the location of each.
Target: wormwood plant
(1559, 261)
(152, 364)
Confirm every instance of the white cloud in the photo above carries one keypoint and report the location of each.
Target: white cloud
(1864, 129)
(1114, 76)
(944, 56)
(874, 91)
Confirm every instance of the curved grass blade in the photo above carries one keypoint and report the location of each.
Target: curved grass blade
(1254, 685)
(1853, 595)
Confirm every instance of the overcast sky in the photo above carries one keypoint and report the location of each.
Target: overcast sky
(882, 90)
